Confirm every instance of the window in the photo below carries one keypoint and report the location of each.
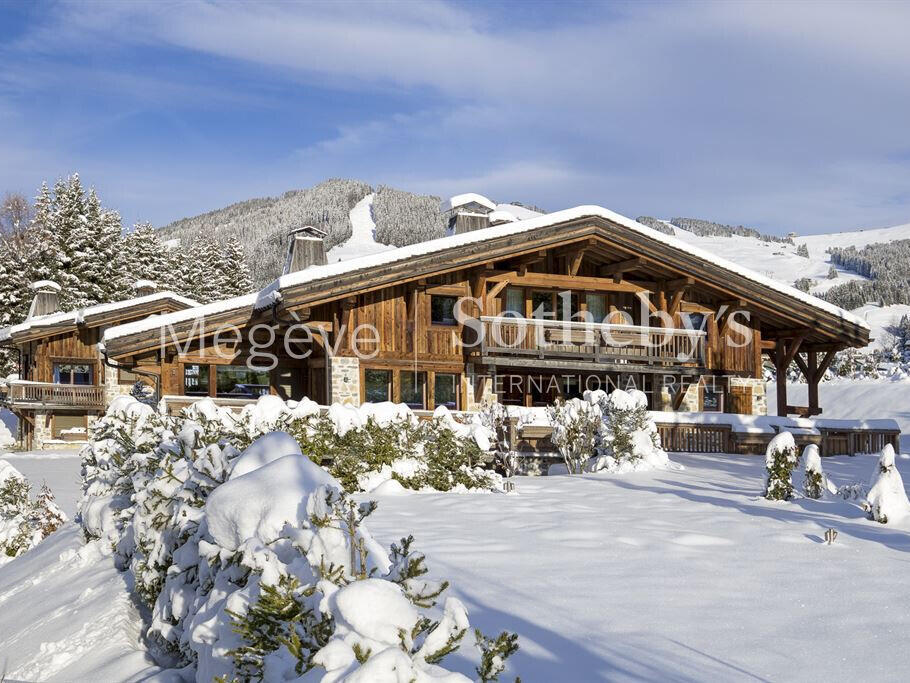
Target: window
(696, 320)
(413, 389)
(442, 310)
(72, 373)
(238, 381)
(377, 385)
(514, 303)
(196, 380)
(70, 426)
(712, 400)
(542, 305)
(563, 299)
(597, 307)
(445, 391)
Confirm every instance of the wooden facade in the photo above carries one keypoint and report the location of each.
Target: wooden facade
(621, 287)
(63, 379)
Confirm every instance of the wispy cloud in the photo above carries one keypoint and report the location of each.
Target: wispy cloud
(782, 115)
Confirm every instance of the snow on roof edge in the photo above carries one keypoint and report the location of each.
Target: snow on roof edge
(466, 198)
(79, 314)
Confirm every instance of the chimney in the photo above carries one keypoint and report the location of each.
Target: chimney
(144, 288)
(467, 212)
(306, 247)
(47, 298)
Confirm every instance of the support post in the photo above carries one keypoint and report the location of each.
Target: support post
(813, 378)
(780, 362)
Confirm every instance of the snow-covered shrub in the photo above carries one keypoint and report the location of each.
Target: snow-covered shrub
(781, 457)
(815, 482)
(255, 565)
(575, 424)
(143, 393)
(887, 499)
(628, 439)
(495, 417)
(24, 522)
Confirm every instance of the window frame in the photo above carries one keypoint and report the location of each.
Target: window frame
(389, 384)
(413, 405)
(456, 387)
(204, 370)
(444, 322)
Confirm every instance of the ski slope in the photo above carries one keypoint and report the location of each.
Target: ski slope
(362, 241)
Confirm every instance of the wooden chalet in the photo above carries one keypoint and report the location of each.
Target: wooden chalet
(521, 313)
(64, 381)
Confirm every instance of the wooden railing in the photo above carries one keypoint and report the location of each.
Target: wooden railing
(691, 438)
(591, 341)
(57, 395)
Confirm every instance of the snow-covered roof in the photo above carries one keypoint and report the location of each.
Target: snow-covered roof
(314, 274)
(522, 213)
(464, 199)
(44, 284)
(498, 217)
(78, 316)
(145, 284)
(153, 322)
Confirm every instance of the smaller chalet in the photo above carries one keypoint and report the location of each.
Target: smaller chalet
(64, 379)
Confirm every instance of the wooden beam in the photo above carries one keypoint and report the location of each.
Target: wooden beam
(575, 263)
(563, 282)
(680, 283)
(621, 266)
(826, 363)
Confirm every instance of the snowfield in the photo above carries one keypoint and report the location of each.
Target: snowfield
(669, 575)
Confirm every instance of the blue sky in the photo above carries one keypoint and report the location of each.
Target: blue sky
(783, 116)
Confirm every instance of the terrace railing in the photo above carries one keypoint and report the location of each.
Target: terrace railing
(596, 342)
(44, 394)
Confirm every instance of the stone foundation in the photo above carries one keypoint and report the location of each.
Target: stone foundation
(478, 388)
(345, 380)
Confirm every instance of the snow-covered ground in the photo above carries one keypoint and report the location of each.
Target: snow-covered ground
(60, 470)
(855, 399)
(362, 241)
(668, 575)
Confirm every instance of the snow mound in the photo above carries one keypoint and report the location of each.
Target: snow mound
(262, 451)
(887, 501)
(260, 503)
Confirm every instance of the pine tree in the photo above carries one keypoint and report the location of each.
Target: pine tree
(802, 250)
(146, 258)
(781, 458)
(235, 273)
(815, 483)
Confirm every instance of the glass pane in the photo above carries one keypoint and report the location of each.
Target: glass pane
(412, 389)
(238, 381)
(563, 298)
(72, 373)
(196, 380)
(597, 308)
(82, 374)
(542, 305)
(514, 301)
(378, 385)
(445, 391)
(442, 310)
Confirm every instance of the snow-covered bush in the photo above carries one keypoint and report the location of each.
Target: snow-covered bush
(781, 457)
(575, 424)
(495, 417)
(24, 522)
(815, 482)
(887, 499)
(255, 565)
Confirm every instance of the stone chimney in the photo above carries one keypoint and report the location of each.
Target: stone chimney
(46, 300)
(144, 288)
(306, 247)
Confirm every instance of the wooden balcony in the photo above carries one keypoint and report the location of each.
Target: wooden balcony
(591, 342)
(38, 395)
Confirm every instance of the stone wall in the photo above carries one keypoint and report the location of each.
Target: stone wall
(112, 386)
(345, 376)
(478, 388)
(759, 396)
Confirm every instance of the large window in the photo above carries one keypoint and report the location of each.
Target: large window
(564, 299)
(377, 385)
(72, 373)
(514, 303)
(413, 389)
(196, 380)
(597, 309)
(238, 381)
(445, 390)
(542, 305)
(442, 310)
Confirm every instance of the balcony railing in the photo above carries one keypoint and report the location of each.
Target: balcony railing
(41, 394)
(596, 342)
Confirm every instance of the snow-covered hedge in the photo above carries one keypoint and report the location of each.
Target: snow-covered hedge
(887, 498)
(24, 522)
(611, 433)
(254, 563)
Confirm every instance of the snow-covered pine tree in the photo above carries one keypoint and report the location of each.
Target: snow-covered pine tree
(97, 252)
(145, 258)
(832, 273)
(235, 273)
(575, 426)
(815, 483)
(802, 250)
(781, 457)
